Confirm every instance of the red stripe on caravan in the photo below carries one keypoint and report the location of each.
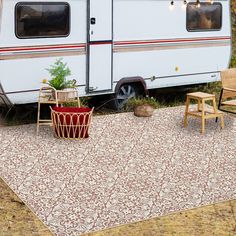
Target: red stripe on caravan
(18, 49)
(171, 40)
(100, 42)
(74, 46)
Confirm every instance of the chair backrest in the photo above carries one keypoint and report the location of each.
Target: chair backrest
(228, 78)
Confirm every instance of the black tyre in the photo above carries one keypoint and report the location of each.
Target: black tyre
(125, 92)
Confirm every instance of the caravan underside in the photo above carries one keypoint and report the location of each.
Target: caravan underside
(107, 43)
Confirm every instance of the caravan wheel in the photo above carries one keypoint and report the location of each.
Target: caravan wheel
(125, 92)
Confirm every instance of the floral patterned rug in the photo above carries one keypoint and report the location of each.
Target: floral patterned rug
(130, 169)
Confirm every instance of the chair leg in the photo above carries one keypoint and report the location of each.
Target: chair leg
(222, 121)
(219, 104)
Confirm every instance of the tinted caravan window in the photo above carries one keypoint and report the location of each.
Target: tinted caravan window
(42, 19)
(207, 16)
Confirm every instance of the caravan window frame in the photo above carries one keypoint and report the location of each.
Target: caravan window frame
(46, 36)
(205, 30)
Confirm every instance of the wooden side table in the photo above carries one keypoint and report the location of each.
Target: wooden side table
(202, 112)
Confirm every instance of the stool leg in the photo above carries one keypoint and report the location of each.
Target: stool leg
(186, 112)
(203, 116)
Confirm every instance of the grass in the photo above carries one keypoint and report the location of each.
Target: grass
(133, 102)
(177, 97)
(165, 98)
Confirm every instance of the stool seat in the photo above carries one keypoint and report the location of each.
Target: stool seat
(201, 95)
(202, 112)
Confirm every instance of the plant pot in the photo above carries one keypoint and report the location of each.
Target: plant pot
(143, 110)
(66, 94)
(71, 122)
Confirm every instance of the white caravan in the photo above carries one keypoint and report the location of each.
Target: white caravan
(118, 47)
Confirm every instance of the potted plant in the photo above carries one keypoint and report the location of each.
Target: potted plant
(58, 72)
(142, 107)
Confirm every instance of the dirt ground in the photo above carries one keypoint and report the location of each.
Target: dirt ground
(16, 219)
(218, 220)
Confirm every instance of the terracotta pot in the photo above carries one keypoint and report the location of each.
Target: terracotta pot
(143, 110)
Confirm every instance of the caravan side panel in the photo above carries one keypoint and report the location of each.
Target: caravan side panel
(23, 61)
(152, 41)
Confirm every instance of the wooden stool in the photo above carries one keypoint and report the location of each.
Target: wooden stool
(202, 112)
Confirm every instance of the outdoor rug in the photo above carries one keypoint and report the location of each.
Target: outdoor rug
(130, 169)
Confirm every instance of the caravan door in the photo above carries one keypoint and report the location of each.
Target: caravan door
(99, 46)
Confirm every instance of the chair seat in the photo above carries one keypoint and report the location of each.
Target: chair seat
(228, 91)
(229, 103)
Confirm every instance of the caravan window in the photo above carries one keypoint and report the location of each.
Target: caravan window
(205, 16)
(42, 19)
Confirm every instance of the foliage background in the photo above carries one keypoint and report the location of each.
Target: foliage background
(233, 20)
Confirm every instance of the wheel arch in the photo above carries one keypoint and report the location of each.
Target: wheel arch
(132, 80)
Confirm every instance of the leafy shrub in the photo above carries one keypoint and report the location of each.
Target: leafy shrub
(133, 102)
(59, 71)
(233, 61)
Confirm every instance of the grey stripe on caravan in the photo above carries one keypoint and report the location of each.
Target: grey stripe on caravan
(116, 49)
(32, 90)
(178, 75)
(154, 47)
(37, 54)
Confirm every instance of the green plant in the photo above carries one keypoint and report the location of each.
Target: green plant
(59, 71)
(233, 61)
(84, 102)
(134, 102)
